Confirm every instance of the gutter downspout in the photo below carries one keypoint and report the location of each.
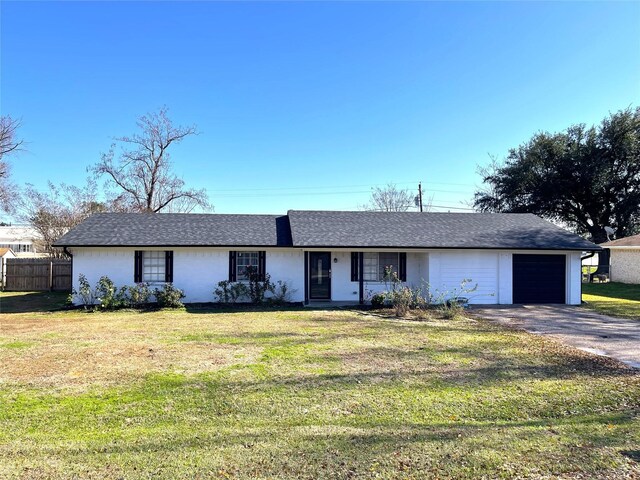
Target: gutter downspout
(65, 250)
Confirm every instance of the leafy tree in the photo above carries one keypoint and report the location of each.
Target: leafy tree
(389, 199)
(9, 143)
(585, 177)
(141, 178)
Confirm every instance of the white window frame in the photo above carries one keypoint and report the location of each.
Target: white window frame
(246, 259)
(373, 270)
(154, 266)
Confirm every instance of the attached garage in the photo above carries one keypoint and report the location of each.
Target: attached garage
(539, 278)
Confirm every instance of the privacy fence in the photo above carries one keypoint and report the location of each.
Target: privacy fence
(29, 274)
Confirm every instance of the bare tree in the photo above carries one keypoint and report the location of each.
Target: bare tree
(389, 199)
(53, 212)
(142, 178)
(9, 143)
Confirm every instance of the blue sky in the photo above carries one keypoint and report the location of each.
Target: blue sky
(308, 105)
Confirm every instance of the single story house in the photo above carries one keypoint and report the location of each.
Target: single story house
(624, 259)
(335, 255)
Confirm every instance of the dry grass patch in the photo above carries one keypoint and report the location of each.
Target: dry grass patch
(76, 349)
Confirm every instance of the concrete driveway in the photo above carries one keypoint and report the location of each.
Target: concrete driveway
(618, 338)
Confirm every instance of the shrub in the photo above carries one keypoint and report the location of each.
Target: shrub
(230, 292)
(169, 296)
(108, 294)
(86, 294)
(138, 295)
(282, 292)
(377, 300)
(401, 299)
(258, 287)
(451, 304)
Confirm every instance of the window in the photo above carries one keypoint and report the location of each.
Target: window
(153, 266)
(374, 265)
(244, 260)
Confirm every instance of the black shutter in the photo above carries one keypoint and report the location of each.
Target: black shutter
(137, 267)
(168, 266)
(403, 267)
(262, 265)
(354, 266)
(232, 266)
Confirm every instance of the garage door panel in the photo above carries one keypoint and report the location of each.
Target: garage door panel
(481, 269)
(539, 278)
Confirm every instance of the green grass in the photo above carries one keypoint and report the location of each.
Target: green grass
(305, 394)
(617, 299)
(16, 345)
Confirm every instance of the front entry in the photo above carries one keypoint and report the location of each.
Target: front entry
(320, 275)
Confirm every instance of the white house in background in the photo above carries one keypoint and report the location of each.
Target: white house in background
(19, 238)
(335, 255)
(624, 259)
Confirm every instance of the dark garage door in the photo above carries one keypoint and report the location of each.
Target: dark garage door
(539, 278)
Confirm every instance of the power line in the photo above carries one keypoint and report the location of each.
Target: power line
(326, 187)
(306, 193)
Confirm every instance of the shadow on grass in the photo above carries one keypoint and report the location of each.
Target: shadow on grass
(213, 307)
(29, 302)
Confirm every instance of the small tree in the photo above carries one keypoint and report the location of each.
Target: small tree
(391, 199)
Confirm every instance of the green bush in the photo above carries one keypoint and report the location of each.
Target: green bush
(377, 300)
(108, 295)
(86, 294)
(258, 287)
(230, 292)
(138, 295)
(169, 296)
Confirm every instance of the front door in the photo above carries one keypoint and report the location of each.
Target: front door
(320, 275)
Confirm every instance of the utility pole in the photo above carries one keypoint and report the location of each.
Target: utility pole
(420, 195)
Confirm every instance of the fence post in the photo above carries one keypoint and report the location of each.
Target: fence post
(51, 275)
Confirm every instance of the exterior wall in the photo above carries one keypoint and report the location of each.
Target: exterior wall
(574, 278)
(344, 290)
(625, 265)
(195, 270)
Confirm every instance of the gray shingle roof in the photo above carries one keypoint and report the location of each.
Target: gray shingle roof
(430, 230)
(326, 229)
(179, 229)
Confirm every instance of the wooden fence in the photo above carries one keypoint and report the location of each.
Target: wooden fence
(29, 274)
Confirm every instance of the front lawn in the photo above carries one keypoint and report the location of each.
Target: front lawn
(305, 394)
(617, 299)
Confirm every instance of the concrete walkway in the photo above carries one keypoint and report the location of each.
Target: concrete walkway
(618, 338)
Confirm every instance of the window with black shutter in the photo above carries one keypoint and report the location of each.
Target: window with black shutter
(154, 266)
(239, 262)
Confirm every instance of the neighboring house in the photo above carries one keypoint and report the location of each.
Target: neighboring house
(624, 259)
(5, 253)
(335, 256)
(20, 239)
